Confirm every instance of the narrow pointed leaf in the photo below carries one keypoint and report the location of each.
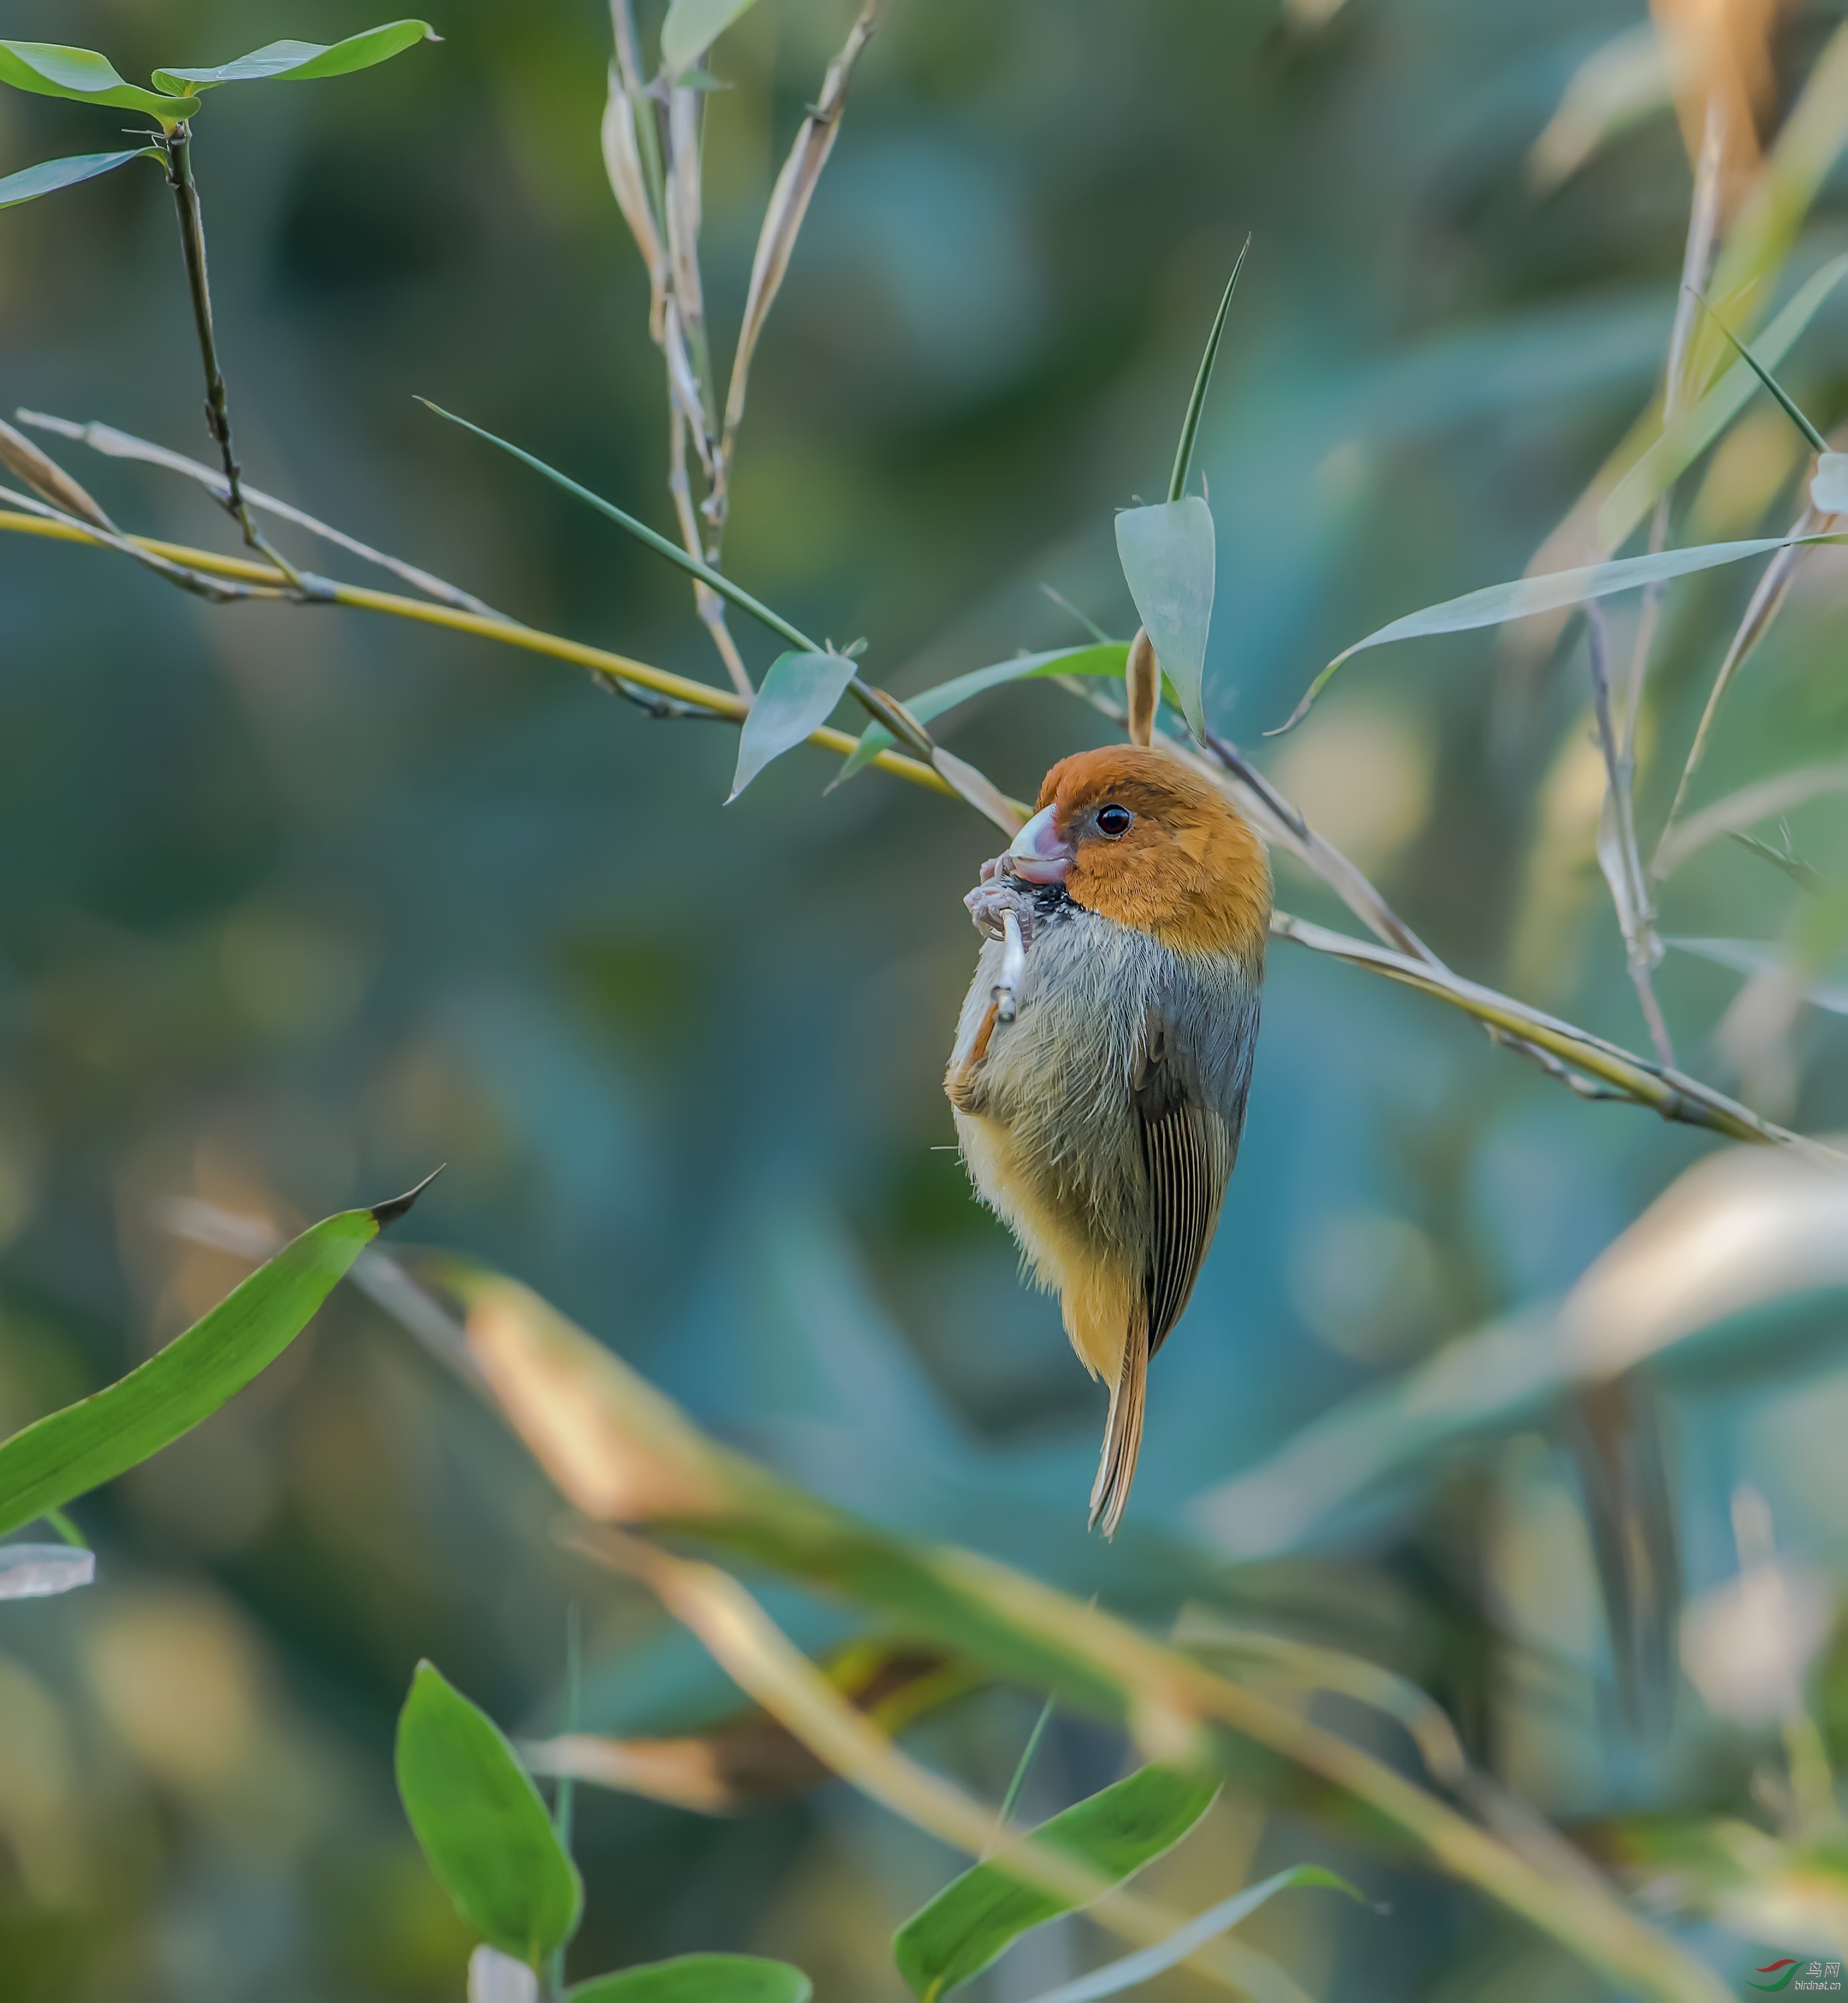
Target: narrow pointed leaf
(1197, 402)
(1106, 659)
(1817, 442)
(1828, 490)
(1134, 1970)
(36, 1571)
(53, 69)
(974, 1917)
(1553, 591)
(304, 62)
(698, 1978)
(796, 698)
(483, 1827)
(72, 1451)
(1167, 554)
(692, 27)
(49, 176)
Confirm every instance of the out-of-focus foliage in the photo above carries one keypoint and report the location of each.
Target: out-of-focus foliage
(295, 904)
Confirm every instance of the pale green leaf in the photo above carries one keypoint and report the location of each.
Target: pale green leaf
(1756, 956)
(796, 698)
(1106, 659)
(698, 1978)
(305, 62)
(52, 69)
(49, 176)
(1552, 591)
(974, 1917)
(72, 1451)
(1167, 554)
(483, 1827)
(1134, 1970)
(692, 27)
(1828, 490)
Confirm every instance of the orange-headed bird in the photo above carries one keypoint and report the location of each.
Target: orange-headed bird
(1099, 1113)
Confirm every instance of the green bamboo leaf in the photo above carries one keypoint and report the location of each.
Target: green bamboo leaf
(1183, 455)
(795, 698)
(482, 1828)
(1116, 1832)
(70, 1452)
(1133, 1969)
(1167, 554)
(49, 176)
(53, 69)
(305, 62)
(692, 27)
(36, 1571)
(1817, 442)
(1498, 603)
(1685, 440)
(698, 1978)
(1106, 659)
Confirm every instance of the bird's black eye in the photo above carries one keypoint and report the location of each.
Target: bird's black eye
(1113, 819)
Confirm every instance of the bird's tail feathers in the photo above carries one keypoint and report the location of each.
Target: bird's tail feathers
(1122, 1432)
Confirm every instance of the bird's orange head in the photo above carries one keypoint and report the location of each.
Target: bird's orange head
(1138, 836)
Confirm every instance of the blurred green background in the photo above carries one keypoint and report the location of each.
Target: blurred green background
(295, 905)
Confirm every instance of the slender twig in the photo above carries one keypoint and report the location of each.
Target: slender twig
(178, 147)
(114, 444)
(216, 590)
(1629, 884)
(1669, 1093)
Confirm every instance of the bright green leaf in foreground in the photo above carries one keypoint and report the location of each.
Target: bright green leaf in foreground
(51, 69)
(692, 27)
(794, 698)
(49, 176)
(70, 1452)
(1134, 1970)
(482, 1825)
(1116, 1832)
(1197, 402)
(305, 62)
(1167, 554)
(700, 1978)
(1496, 604)
(1106, 659)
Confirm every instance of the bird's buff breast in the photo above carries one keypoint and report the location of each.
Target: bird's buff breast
(1049, 1132)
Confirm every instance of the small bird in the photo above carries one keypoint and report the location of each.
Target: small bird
(1099, 1086)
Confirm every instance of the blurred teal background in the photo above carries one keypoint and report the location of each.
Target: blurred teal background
(295, 904)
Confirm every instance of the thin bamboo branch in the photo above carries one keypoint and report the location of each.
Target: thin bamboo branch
(1669, 1093)
(177, 146)
(187, 578)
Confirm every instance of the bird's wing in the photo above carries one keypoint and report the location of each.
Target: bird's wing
(1187, 1150)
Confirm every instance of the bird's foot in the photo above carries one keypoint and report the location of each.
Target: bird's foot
(997, 894)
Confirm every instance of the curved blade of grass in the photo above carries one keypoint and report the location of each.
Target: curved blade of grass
(712, 579)
(797, 696)
(1106, 659)
(1183, 452)
(692, 27)
(1145, 1965)
(1816, 442)
(54, 69)
(700, 1978)
(1685, 440)
(70, 1452)
(482, 1828)
(976, 1917)
(1496, 604)
(1167, 555)
(49, 176)
(304, 62)
(36, 1571)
